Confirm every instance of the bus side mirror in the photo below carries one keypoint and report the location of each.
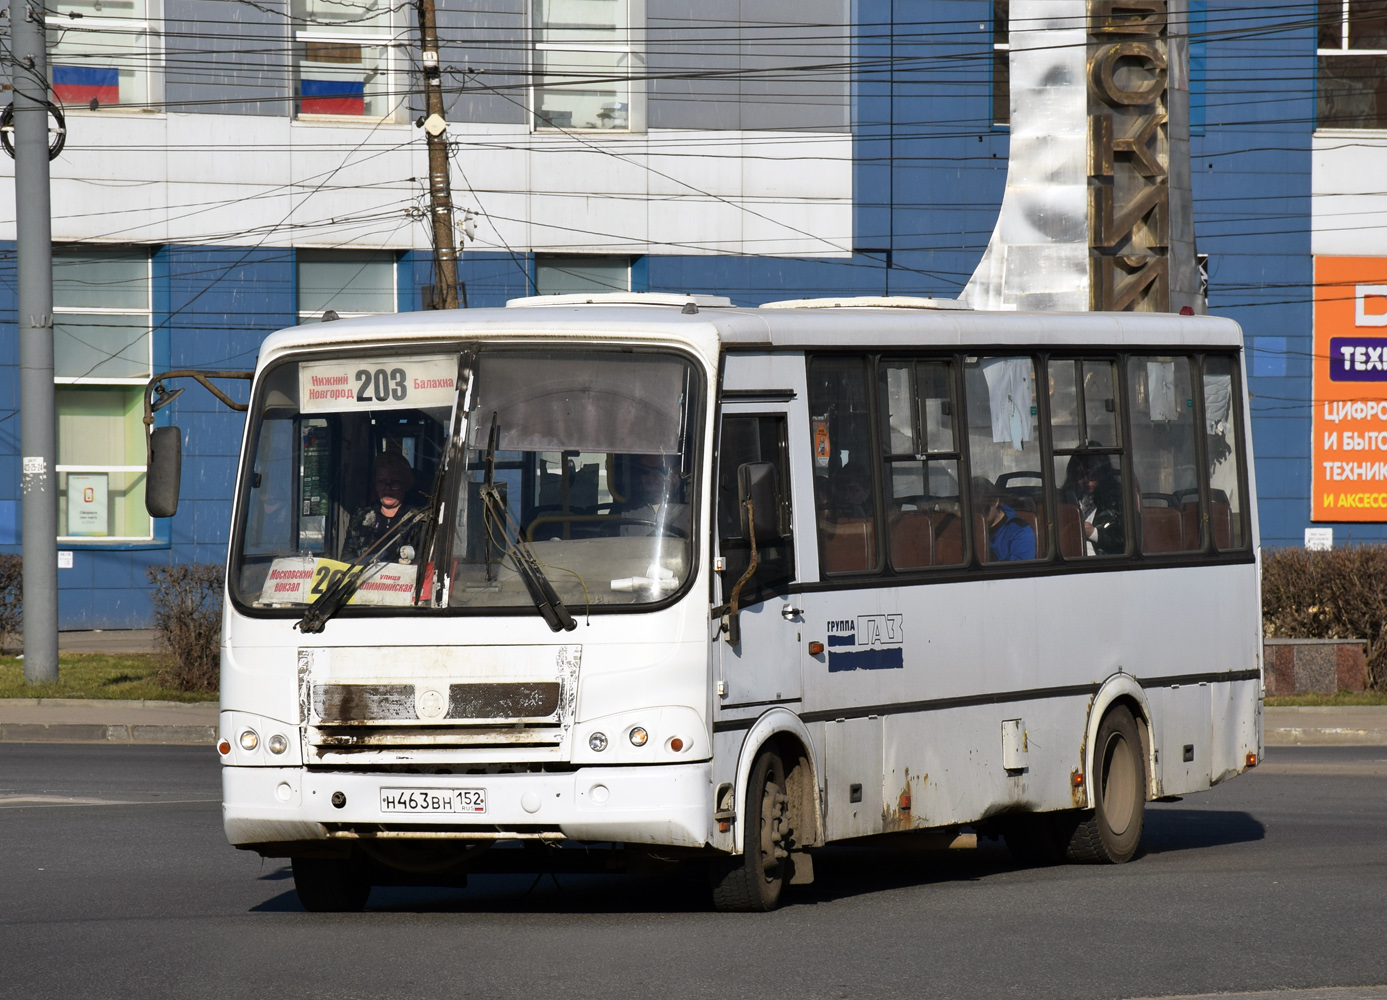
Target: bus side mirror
(164, 471)
(756, 481)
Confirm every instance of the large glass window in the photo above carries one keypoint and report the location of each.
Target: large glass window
(1007, 488)
(844, 469)
(1091, 515)
(577, 468)
(345, 59)
(753, 439)
(347, 282)
(102, 358)
(1227, 519)
(920, 450)
(575, 275)
(583, 64)
(1165, 467)
(104, 53)
(1352, 91)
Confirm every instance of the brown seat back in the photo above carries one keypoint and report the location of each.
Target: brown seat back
(912, 540)
(948, 538)
(1162, 530)
(1071, 536)
(848, 545)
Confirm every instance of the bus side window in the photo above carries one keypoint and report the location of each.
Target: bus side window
(755, 438)
(1007, 488)
(920, 452)
(1090, 464)
(844, 469)
(1222, 441)
(1164, 464)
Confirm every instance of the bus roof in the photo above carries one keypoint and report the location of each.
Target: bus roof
(692, 321)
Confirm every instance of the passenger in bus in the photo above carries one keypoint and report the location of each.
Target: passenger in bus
(656, 500)
(850, 493)
(1009, 539)
(1092, 485)
(391, 481)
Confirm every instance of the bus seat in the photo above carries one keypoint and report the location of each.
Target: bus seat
(1162, 529)
(948, 538)
(1071, 538)
(1221, 519)
(980, 539)
(912, 541)
(1036, 519)
(848, 545)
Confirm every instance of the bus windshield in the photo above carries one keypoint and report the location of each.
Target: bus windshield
(574, 465)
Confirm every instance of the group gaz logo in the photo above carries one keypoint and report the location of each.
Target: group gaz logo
(867, 642)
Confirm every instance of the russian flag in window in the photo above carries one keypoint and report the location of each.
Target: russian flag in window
(82, 84)
(332, 97)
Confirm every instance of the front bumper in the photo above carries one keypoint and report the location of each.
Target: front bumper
(668, 805)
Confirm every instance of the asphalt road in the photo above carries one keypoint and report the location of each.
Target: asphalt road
(115, 881)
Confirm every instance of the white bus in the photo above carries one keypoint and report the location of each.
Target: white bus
(725, 584)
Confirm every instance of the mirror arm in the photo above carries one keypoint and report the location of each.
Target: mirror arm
(734, 622)
(155, 385)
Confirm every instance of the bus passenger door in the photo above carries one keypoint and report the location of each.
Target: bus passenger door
(763, 668)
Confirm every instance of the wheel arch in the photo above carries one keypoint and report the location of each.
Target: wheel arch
(1119, 689)
(796, 746)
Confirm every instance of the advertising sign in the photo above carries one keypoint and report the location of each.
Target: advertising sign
(407, 382)
(86, 504)
(1349, 424)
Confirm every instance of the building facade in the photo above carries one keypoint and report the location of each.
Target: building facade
(233, 168)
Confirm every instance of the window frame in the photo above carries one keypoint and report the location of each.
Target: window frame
(635, 62)
(64, 468)
(1050, 561)
(136, 27)
(311, 316)
(387, 38)
(1344, 50)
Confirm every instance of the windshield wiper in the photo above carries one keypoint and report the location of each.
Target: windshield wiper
(340, 592)
(547, 600)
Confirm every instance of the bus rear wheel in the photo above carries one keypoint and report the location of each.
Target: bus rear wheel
(330, 885)
(753, 881)
(1111, 832)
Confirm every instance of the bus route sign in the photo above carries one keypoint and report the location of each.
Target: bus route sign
(1349, 424)
(409, 382)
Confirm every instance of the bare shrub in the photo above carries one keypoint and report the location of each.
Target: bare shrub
(187, 604)
(11, 600)
(1340, 594)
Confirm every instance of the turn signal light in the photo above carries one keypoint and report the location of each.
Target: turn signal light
(223, 748)
(676, 744)
(815, 648)
(1077, 778)
(1251, 760)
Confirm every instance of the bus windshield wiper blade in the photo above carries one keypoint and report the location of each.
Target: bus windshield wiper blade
(547, 600)
(339, 593)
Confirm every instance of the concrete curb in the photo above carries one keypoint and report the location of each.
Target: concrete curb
(1359, 725)
(43, 732)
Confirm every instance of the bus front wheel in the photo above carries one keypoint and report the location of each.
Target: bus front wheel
(329, 885)
(753, 881)
(1111, 832)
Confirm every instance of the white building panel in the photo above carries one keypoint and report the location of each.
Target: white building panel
(1348, 204)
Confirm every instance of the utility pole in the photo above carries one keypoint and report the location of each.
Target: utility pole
(445, 255)
(38, 425)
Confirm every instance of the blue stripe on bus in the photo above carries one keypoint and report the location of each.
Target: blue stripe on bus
(889, 658)
(842, 640)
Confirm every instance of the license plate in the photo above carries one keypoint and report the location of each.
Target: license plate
(433, 800)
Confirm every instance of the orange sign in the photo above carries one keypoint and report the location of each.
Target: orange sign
(1349, 424)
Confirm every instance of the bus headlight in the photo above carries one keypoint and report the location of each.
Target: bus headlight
(277, 744)
(249, 740)
(598, 742)
(638, 737)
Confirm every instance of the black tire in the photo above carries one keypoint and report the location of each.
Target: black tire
(1111, 832)
(753, 881)
(327, 885)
